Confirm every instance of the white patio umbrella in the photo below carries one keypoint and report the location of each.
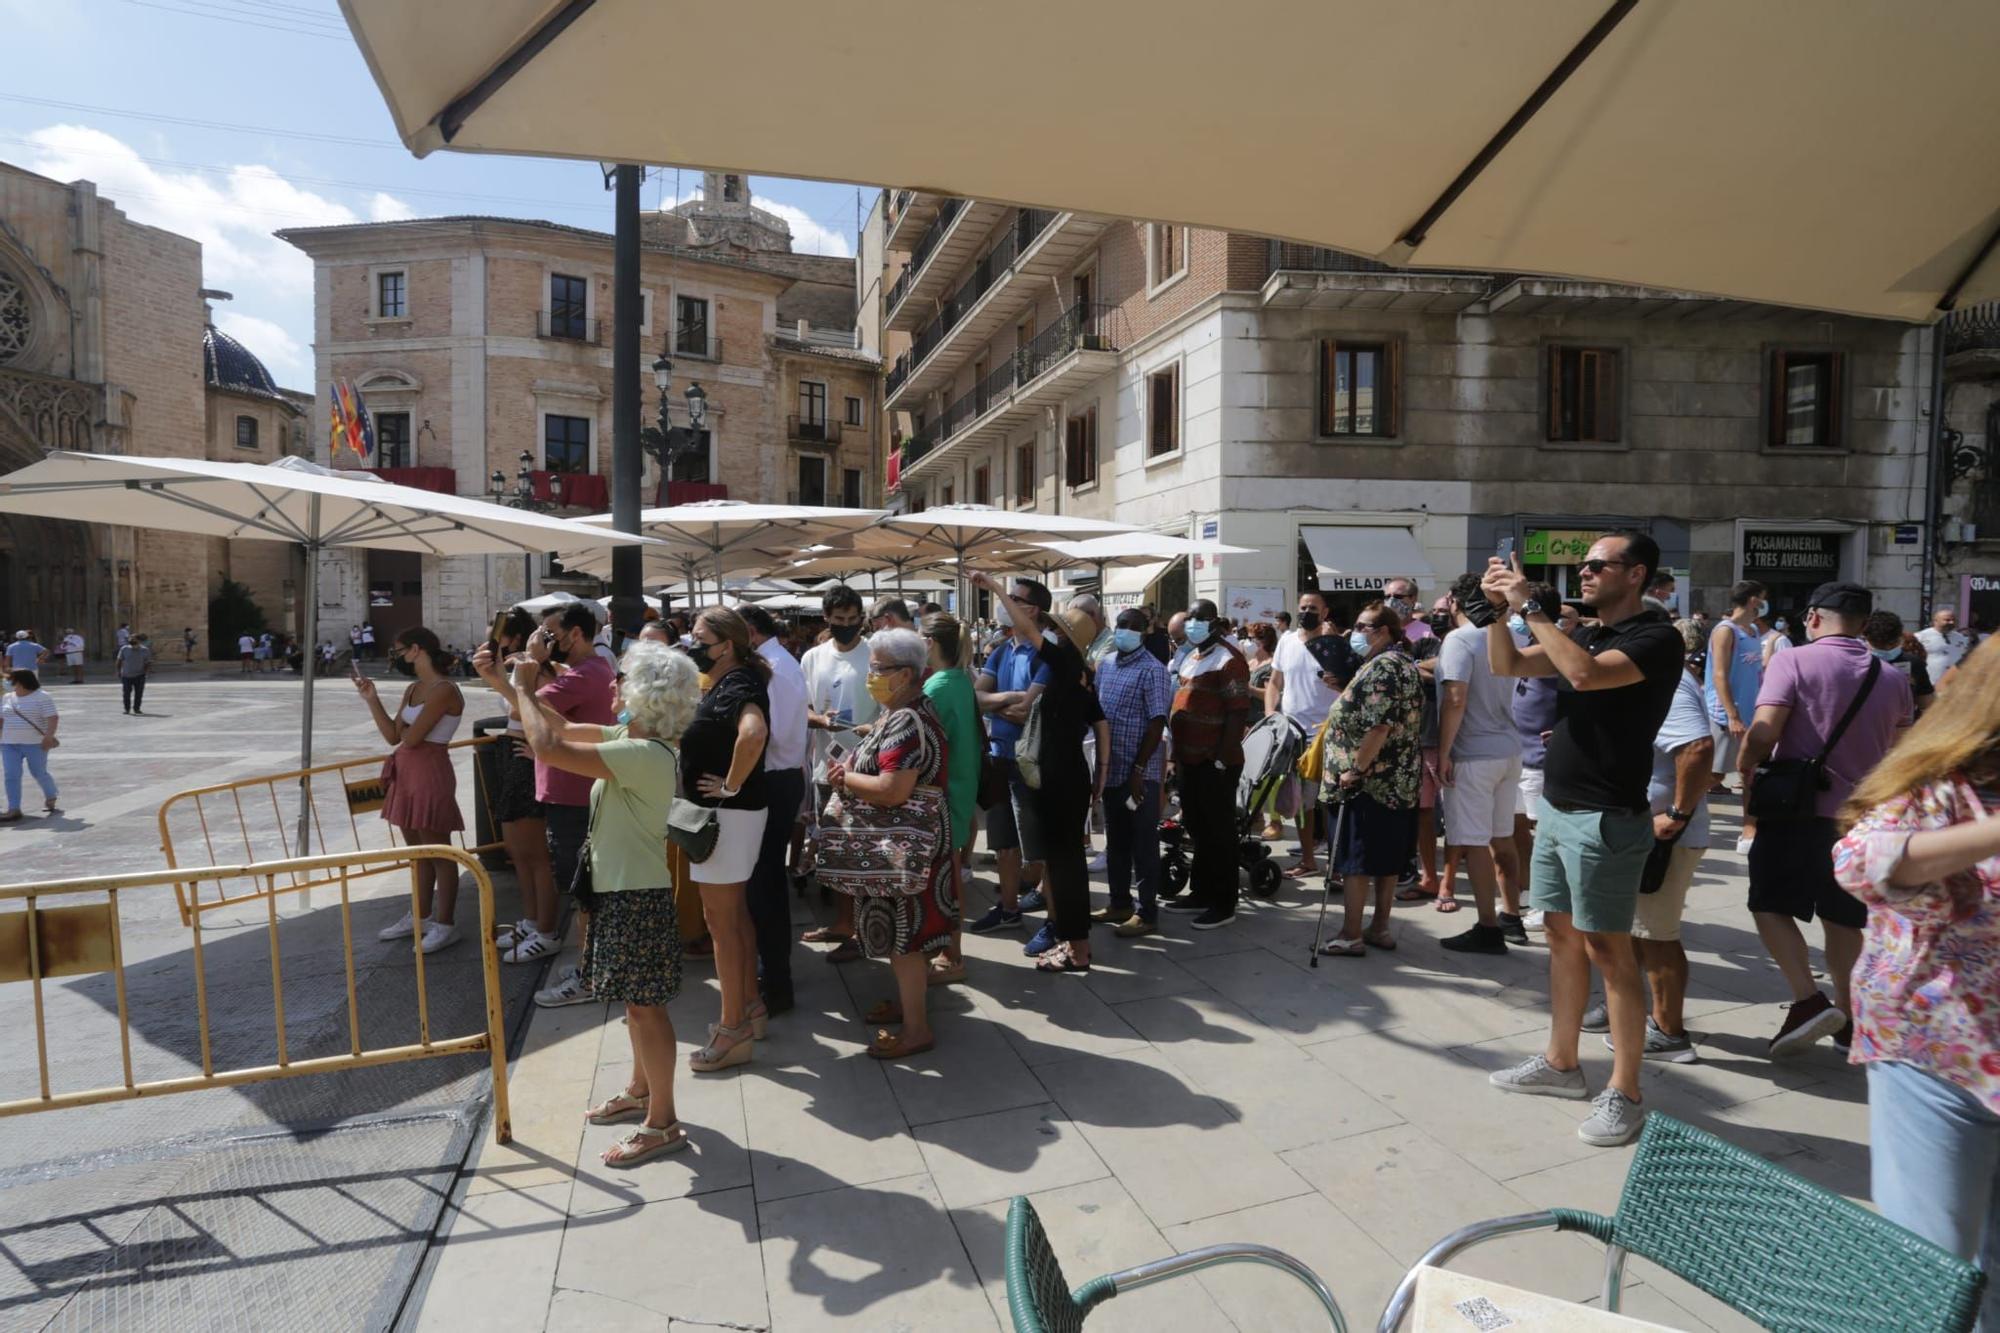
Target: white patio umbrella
(314, 508)
(1137, 548)
(547, 602)
(974, 531)
(720, 535)
(1819, 153)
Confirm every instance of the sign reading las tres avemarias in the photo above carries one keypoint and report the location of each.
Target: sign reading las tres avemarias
(1791, 556)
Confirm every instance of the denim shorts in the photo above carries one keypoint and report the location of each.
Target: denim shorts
(1587, 864)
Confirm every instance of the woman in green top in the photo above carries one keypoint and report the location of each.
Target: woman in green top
(949, 688)
(633, 953)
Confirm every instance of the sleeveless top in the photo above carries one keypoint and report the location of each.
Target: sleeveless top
(1746, 674)
(441, 731)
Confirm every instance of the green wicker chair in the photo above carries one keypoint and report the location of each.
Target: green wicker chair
(1777, 1248)
(1041, 1301)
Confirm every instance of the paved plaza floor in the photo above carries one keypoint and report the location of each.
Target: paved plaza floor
(1193, 1088)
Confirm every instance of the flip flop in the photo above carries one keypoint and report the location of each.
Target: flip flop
(891, 1046)
(1444, 904)
(1298, 870)
(1413, 895)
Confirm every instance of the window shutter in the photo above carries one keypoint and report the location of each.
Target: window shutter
(1089, 467)
(1326, 372)
(1391, 417)
(1609, 427)
(1836, 398)
(1777, 404)
(1555, 383)
(1072, 452)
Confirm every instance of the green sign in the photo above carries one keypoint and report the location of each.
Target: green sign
(1557, 546)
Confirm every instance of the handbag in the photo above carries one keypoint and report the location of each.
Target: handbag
(1028, 749)
(53, 742)
(1312, 763)
(992, 788)
(1790, 788)
(1654, 875)
(694, 828)
(582, 886)
(882, 851)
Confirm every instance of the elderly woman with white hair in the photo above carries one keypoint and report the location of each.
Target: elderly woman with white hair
(633, 953)
(887, 839)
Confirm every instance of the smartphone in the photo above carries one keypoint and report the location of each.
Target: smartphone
(1505, 550)
(499, 630)
(354, 667)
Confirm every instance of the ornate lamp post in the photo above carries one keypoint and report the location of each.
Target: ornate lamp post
(665, 441)
(522, 496)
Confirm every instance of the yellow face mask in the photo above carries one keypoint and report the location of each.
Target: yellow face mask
(880, 688)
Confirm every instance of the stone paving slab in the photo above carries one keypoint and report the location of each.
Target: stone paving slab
(1191, 1090)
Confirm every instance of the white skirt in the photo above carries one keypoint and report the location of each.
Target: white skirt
(735, 854)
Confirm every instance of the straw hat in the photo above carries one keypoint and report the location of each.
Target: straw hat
(1078, 625)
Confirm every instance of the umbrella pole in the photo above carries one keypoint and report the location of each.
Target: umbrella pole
(301, 846)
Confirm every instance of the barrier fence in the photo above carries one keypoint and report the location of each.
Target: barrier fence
(229, 816)
(41, 943)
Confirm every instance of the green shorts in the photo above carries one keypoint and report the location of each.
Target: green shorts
(1587, 863)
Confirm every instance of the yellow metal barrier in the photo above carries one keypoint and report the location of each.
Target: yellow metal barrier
(43, 943)
(352, 788)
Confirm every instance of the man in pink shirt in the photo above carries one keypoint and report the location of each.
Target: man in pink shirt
(580, 692)
(1804, 698)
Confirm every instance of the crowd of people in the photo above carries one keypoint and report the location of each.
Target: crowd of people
(1561, 753)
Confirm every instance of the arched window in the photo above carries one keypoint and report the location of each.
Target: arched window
(16, 324)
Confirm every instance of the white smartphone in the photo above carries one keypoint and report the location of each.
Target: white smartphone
(1506, 549)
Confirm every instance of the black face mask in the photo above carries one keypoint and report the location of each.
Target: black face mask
(702, 656)
(402, 667)
(844, 634)
(1440, 624)
(1308, 620)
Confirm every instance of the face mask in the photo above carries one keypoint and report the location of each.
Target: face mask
(1763, 609)
(1309, 620)
(1125, 640)
(1197, 632)
(624, 716)
(402, 667)
(1440, 624)
(1780, 626)
(1518, 624)
(844, 634)
(1888, 654)
(880, 689)
(1401, 605)
(702, 656)
(1359, 642)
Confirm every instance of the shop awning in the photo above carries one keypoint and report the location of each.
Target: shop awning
(1359, 558)
(1133, 580)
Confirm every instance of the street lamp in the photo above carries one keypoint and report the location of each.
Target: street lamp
(522, 496)
(666, 441)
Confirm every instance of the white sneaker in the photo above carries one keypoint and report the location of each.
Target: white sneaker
(569, 989)
(1535, 922)
(1096, 863)
(438, 935)
(514, 934)
(402, 930)
(531, 948)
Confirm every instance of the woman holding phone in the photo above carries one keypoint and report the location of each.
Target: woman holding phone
(422, 786)
(523, 827)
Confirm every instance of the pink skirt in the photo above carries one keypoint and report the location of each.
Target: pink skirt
(423, 789)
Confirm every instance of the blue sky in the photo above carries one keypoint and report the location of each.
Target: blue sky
(287, 130)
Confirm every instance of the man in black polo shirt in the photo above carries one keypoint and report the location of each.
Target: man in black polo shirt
(1615, 681)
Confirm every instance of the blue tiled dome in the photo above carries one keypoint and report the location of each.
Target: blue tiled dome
(228, 364)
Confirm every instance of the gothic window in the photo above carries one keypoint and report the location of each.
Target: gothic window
(15, 326)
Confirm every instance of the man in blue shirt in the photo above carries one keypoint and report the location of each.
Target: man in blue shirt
(1134, 691)
(24, 654)
(1012, 831)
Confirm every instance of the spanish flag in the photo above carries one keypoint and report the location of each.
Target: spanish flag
(349, 424)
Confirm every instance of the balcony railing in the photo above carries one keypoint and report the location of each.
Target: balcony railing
(1976, 328)
(808, 431)
(947, 213)
(443, 480)
(1029, 224)
(687, 492)
(569, 328)
(697, 342)
(1313, 259)
(1081, 328)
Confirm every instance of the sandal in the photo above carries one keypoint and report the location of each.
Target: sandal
(613, 1109)
(891, 1046)
(1380, 939)
(886, 1011)
(823, 935)
(1344, 948)
(1059, 960)
(758, 1016)
(849, 950)
(949, 975)
(712, 1059)
(1444, 904)
(1413, 894)
(1298, 870)
(643, 1142)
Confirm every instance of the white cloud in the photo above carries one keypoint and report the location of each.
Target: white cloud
(808, 236)
(388, 208)
(288, 359)
(232, 213)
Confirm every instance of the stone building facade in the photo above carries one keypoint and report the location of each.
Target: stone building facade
(1350, 422)
(476, 341)
(101, 323)
(252, 420)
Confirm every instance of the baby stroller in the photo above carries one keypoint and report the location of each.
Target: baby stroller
(1271, 751)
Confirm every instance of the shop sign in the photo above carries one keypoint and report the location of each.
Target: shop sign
(1909, 534)
(1245, 604)
(1979, 600)
(1794, 556)
(1556, 546)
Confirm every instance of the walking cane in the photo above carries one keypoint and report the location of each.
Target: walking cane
(1332, 852)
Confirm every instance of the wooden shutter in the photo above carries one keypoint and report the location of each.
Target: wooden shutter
(1607, 426)
(1776, 427)
(1073, 452)
(1835, 399)
(1327, 371)
(1555, 403)
(1087, 466)
(1389, 412)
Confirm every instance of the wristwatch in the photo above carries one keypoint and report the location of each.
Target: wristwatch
(1678, 815)
(1531, 607)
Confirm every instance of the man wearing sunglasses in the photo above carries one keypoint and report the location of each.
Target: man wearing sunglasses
(1615, 680)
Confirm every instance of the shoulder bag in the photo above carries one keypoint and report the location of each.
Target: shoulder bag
(1028, 749)
(52, 742)
(691, 826)
(882, 851)
(1789, 788)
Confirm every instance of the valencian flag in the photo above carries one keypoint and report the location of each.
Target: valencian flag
(350, 424)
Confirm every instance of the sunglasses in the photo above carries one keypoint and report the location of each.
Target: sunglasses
(1599, 566)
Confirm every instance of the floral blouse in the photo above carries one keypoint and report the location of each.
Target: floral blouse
(1927, 988)
(1387, 689)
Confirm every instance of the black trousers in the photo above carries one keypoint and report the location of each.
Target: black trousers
(567, 827)
(1208, 813)
(767, 893)
(1061, 807)
(133, 688)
